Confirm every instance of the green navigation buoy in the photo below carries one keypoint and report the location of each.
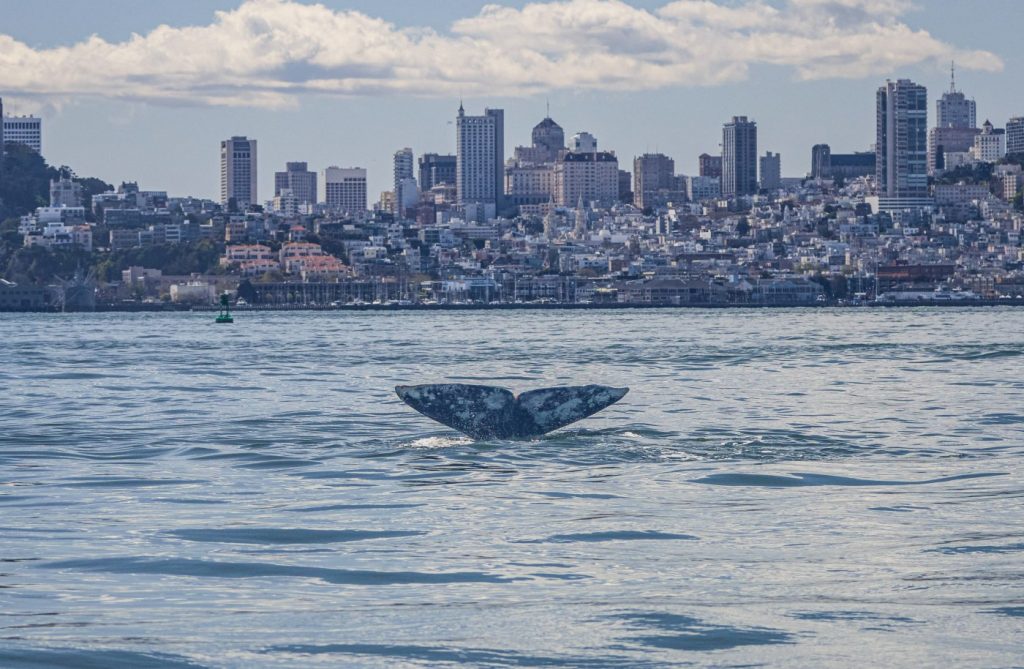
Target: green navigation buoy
(225, 311)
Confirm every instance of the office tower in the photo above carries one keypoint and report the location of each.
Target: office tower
(625, 186)
(548, 139)
(404, 188)
(821, 161)
(955, 128)
(403, 166)
(27, 130)
(771, 171)
(852, 165)
(901, 148)
(699, 189)
(710, 166)
(1015, 136)
(345, 189)
(954, 110)
(652, 173)
(739, 157)
(480, 158)
(299, 180)
(238, 172)
(436, 169)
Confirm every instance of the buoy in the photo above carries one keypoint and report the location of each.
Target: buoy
(225, 311)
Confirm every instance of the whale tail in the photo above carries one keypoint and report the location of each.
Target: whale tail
(490, 412)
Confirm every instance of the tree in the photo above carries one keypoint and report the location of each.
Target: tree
(246, 291)
(24, 181)
(743, 227)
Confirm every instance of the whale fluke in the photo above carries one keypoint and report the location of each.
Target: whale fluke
(489, 412)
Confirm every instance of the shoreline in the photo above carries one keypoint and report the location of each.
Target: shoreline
(173, 308)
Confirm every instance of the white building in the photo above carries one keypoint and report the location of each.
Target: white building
(65, 192)
(480, 157)
(345, 189)
(286, 203)
(27, 130)
(591, 176)
(584, 142)
(699, 189)
(299, 180)
(238, 171)
(403, 169)
(989, 146)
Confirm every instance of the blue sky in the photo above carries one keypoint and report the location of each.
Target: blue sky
(333, 88)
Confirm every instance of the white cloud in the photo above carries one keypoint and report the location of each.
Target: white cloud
(268, 53)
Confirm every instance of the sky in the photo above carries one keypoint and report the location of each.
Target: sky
(144, 91)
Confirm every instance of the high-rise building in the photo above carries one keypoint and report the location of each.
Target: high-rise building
(299, 180)
(1, 127)
(821, 161)
(954, 109)
(548, 138)
(901, 147)
(238, 171)
(345, 189)
(771, 171)
(1015, 136)
(709, 166)
(27, 130)
(852, 165)
(436, 169)
(480, 158)
(590, 175)
(405, 190)
(739, 157)
(652, 173)
(699, 189)
(403, 166)
(956, 126)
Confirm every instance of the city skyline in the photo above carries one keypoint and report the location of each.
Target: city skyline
(177, 142)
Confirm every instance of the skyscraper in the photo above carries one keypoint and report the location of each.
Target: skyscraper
(405, 190)
(652, 173)
(771, 171)
(480, 158)
(821, 161)
(403, 166)
(739, 157)
(436, 169)
(548, 139)
(954, 110)
(956, 126)
(710, 166)
(901, 147)
(1015, 136)
(345, 189)
(299, 180)
(27, 130)
(238, 171)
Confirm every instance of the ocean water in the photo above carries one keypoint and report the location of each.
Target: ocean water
(785, 488)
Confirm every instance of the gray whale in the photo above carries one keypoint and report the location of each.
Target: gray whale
(489, 412)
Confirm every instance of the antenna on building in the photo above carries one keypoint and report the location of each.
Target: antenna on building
(547, 102)
(952, 76)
